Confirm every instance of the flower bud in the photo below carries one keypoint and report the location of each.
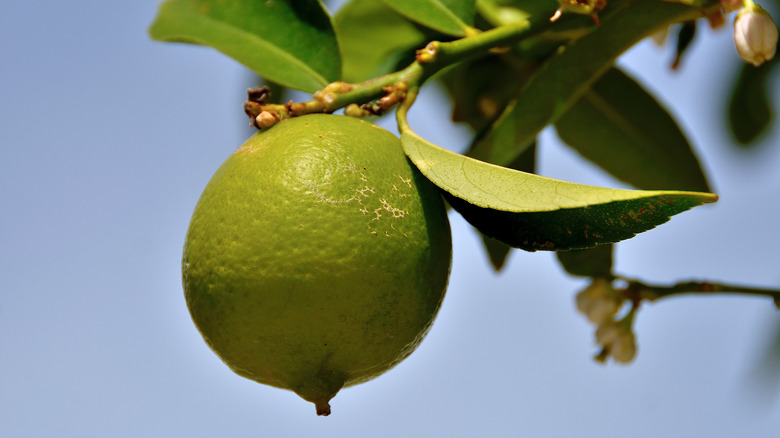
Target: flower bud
(608, 333)
(623, 350)
(618, 341)
(266, 119)
(755, 35)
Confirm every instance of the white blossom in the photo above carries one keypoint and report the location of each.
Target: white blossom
(599, 302)
(618, 340)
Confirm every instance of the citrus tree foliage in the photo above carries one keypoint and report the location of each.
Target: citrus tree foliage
(511, 68)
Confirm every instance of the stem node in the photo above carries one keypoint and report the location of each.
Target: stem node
(428, 54)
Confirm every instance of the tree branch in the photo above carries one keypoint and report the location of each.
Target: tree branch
(376, 95)
(430, 60)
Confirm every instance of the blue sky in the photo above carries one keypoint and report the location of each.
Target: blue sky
(107, 141)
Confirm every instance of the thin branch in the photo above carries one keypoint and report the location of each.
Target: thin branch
(638, 290)
(376, 95)
(430, 60)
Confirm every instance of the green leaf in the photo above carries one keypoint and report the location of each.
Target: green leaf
(568, 74)
(685, 37)
(533, 212)
(499, 12)
(577, 227)
(591, 262)
(490, 186)
(750, 110)
(374, 39)
(620, 127)
(764, 374)
(289, 43)
(499, 251)
(481, 89)
(452, 17)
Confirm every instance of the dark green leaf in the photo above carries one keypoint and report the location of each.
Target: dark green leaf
(374, 39)
(764, 375)
(750, 109)
(499, 12)
(452, 17)
(481, 89)
(290, 43)
(685, 37)
(568, 74)
(591, 262)
(497, 251)
(533, 212)
(620, 127)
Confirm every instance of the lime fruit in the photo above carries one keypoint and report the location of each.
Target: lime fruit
(317, 256)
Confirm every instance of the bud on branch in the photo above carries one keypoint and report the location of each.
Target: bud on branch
(755, 34)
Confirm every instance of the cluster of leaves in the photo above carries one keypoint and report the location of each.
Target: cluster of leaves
(564, 76)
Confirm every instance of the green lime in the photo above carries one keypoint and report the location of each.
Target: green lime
(317, 256)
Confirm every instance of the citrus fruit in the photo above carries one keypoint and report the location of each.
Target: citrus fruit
(317, 256)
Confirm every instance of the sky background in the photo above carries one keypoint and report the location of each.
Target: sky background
(106, 141)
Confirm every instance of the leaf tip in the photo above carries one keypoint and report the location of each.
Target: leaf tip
(709, 198)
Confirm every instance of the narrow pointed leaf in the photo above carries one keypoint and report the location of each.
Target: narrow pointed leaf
(750, 109)
(577, 227)
(374, 39)
(452, 17)
(497, 252)
(567, 75)
(537, 213)
(685, 37)
(289, 43)
(500, 188)
(764, 374)
(617, 125)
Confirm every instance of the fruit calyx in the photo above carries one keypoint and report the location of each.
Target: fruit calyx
(323, 407)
